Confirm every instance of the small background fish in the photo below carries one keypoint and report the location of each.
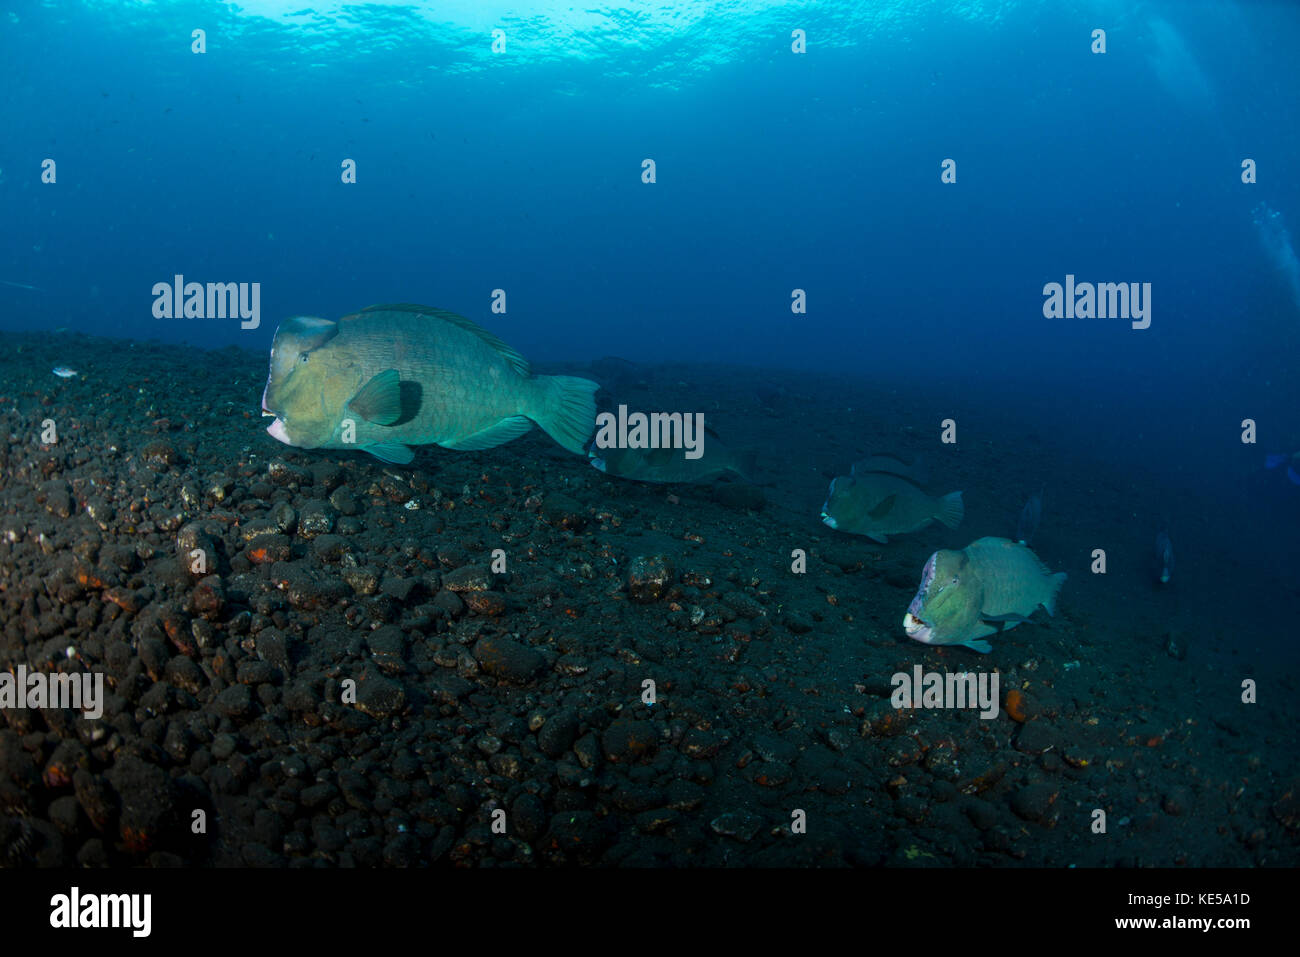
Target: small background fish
(1164, 557)
(64, 372)
(1030, 516)
(1290, 463)
(666, 466)
(882, 497)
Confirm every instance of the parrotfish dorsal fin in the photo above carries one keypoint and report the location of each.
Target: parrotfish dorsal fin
(380, 399)
(916, 472)
(518, 362)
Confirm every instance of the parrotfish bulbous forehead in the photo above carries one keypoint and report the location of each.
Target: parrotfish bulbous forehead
(312, 329)
(294, 338)
(944, 606)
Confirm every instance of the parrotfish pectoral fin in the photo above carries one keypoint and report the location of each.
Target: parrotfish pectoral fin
(978, 644)
(1274, 459)
(884, 507)
(380, 399)
(875, 537)
(394, 453)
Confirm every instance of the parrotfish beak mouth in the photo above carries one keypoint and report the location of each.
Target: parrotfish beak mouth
(598, 463)
(276, 430)
(828, 520)
(916, 628)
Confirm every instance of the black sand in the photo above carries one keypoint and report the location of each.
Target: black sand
(480, 693)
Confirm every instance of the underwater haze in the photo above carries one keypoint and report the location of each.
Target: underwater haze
(887, 252)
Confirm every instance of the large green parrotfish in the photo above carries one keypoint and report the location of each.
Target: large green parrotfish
(390, 377)
(965, 595)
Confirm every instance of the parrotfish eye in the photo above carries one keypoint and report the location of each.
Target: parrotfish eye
(303, 357)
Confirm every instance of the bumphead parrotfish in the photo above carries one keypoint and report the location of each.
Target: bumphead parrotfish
(883, 497)
(990, 580)
(389, 377)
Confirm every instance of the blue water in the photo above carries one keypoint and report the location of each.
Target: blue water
(775, 171)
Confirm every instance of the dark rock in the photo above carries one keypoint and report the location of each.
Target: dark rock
(471, 578)
(147, 797)
(316, 518)
(268, 548)
(578, 836)
(208, 597)
(563, 512)
(798, 623)
(159, 455)
(557, 735)
(508, 659)
(528, 815)
(649, 577)
(628, 739)
(235, 701)
(363, 579)
(1033, 802)
(380, 697)
(1177, 801)
(344, 501)
(1034, 738)
(741, 825)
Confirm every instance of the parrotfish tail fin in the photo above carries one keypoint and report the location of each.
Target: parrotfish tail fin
(1274, 459)
(951, 510)
(1057, 581)
(566, 410)
(978, 644)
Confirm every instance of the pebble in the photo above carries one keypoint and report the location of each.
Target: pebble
(628, 739)
(557, 735)
(235, 701)
(316, 518)
(508, 659)
(1034, 802)
(471, 578)
(146, 798)
(344, 502)
(738, 824)
(380, 697)
(649, 577)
